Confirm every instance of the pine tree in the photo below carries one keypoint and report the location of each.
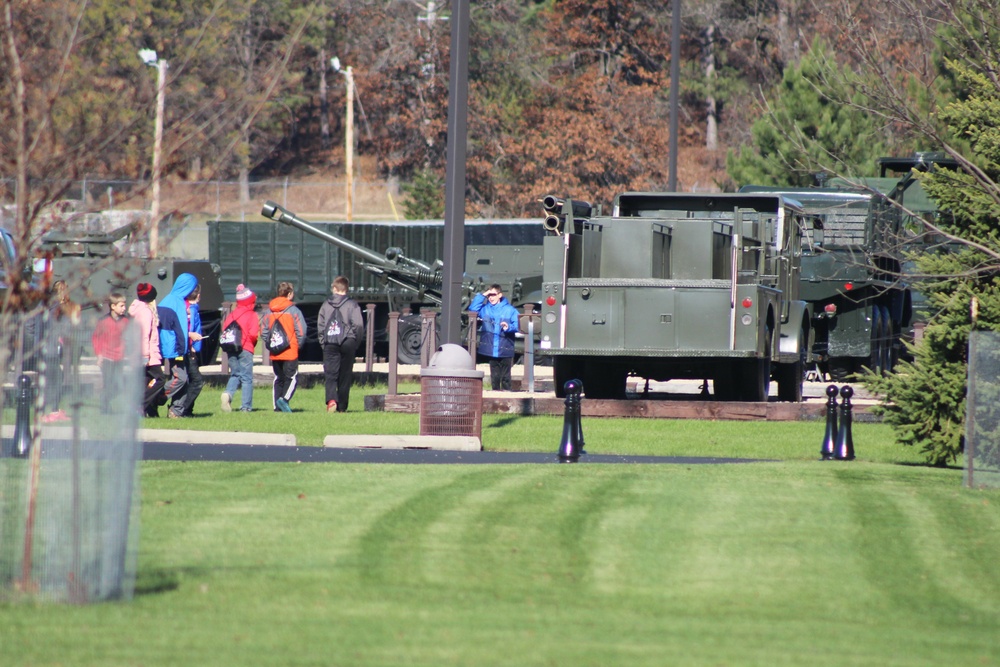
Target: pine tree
(815, 118)
(925, 399)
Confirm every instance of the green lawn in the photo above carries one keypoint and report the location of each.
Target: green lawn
(789, 562)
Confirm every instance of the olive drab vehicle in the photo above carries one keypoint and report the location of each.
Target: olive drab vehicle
(676, 286)
(509, 254)
(94, 263)
(854, 265)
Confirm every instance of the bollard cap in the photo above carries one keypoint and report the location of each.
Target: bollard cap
(831, 390)
(846, 391)
(451, 360)
(573, 387)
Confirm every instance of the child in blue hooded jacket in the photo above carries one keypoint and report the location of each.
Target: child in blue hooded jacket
(177, 335)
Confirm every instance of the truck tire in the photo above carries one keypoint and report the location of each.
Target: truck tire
(878, 338)
(563, 370)
(889, 341)
(756, 374)
(791, 376)
(726, 384)
(604, 382)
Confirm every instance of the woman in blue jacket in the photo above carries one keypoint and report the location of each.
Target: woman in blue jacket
(497, 326)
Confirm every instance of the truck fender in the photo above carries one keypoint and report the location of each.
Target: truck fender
(791, 340)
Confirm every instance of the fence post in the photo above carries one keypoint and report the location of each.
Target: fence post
(428, 336)
(393, 352)
(370, 338)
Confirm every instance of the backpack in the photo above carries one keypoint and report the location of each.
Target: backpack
(231, 338)
(336, 329)
(278, 340)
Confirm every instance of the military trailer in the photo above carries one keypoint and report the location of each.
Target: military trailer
(676, 286)
(310, 255)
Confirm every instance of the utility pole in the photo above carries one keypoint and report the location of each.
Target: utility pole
(349, 145)
(149, 57)
(675, 75)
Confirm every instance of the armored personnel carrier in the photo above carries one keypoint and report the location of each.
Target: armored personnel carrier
(97, 254)
(676, 286)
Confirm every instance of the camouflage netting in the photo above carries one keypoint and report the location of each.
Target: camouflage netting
(69, 494)
(982, 421)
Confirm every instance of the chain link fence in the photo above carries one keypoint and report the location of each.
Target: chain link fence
(982, 420)
(69, 455)
(370, 200)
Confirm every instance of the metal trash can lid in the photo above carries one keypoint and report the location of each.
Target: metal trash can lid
(451, 360)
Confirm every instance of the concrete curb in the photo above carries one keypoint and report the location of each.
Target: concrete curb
(216, 437)
(455, 443)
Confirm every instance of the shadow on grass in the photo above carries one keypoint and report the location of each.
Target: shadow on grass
(151, 582)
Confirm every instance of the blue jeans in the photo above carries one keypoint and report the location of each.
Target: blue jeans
(241, 375)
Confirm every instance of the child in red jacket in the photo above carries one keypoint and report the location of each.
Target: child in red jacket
(108, 340)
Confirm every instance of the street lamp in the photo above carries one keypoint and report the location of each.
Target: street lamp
(149, 57)
(348, 136)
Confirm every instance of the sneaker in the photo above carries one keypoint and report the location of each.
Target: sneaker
(227, 402)
(283, 405)
(246, 409)
(331, 406)
(173, 415)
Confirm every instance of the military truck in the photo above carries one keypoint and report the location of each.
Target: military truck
(855, 273)
(258, 254)
(676, 286)
(851, 279)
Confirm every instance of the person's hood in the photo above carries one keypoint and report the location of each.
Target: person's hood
(183, 285)
(280, 303)
(336, 300)
(138, 307)
(248, 303)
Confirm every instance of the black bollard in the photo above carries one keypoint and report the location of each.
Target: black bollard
(571, 445)
(830, 437)
(22, 418)
(844, 450)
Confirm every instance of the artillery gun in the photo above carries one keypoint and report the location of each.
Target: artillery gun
(676, 286)
(405, 282)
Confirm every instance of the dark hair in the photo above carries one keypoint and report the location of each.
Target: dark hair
(341, 284)
(285, 288)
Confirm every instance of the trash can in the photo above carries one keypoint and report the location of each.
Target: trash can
(451, 394)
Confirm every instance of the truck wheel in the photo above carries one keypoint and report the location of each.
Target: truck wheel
(842, 368)
(875, 358)
(790, 376)
(605, 382)
(757, 374)
(726, 384)
(888, 342)
(563, 370)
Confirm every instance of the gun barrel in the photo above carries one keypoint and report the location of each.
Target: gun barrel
(280, 214)
(553, 204)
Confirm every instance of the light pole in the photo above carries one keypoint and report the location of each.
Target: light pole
(149, 57)
(348, 137)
